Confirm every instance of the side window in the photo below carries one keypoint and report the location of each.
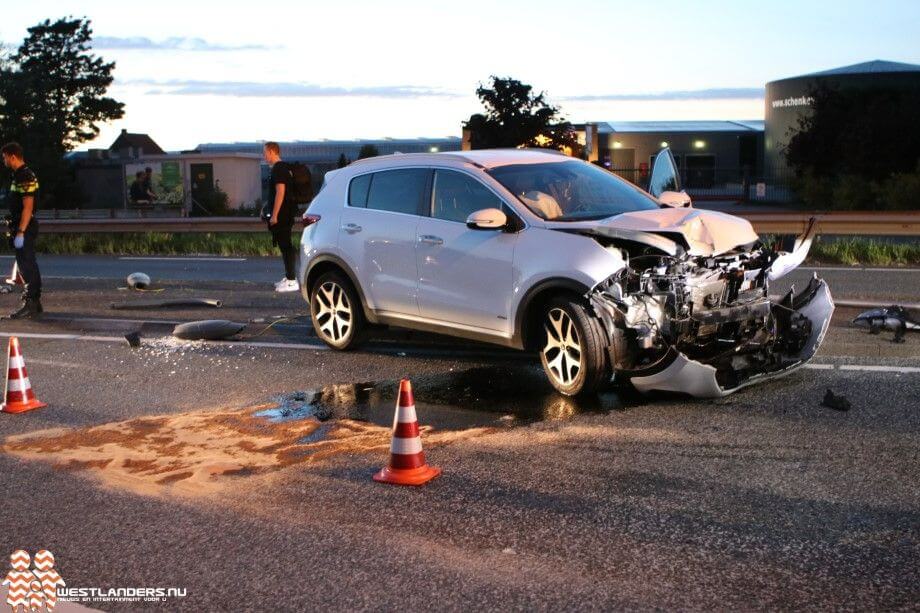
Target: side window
(457, 195)
(399, 191)
(357, 190)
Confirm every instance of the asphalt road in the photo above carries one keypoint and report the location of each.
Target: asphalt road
(763, 500)
(879, 283)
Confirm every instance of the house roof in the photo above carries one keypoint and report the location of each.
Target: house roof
(138, 142)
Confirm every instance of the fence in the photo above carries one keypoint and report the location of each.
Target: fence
(711, 183)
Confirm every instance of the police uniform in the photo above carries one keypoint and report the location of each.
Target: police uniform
(25, 183)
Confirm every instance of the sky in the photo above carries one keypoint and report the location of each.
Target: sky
(204, 71)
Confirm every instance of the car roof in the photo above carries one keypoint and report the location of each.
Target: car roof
(484, 158)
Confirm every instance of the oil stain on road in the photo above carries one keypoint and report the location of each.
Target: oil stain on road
(203, 452)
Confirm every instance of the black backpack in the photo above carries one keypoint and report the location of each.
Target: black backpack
(301, 183)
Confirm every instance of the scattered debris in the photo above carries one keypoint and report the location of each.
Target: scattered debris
(159, 304)
(138, 280)
(894, 318)
(209, 329)
(134, 339)
(838, 403)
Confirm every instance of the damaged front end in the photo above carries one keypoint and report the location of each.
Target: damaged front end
(704, 324)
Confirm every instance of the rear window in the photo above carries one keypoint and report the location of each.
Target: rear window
(357, 190)
(398, 191)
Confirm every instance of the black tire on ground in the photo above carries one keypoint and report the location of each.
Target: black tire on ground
(580, 372)
(336, 312)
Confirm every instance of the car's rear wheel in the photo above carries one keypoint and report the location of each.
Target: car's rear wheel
(572, 353)
(335, 309)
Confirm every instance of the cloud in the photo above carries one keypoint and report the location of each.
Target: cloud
(250, 89)
(726, 93)
(175, 43)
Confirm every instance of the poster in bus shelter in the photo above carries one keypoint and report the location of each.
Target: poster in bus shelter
(165, 181)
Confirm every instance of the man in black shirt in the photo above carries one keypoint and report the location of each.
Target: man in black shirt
(22, 202)
(283, 212)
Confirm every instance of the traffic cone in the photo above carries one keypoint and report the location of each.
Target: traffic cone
(15, 277)
(407, 460)
(19, 396)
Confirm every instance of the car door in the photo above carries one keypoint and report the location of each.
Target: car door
(378, 235)
(465, 275)
(664, 176)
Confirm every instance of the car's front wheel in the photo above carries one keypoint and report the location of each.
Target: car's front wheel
(573, 350)
(336, 312)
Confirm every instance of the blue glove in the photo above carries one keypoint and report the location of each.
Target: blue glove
(19, 241)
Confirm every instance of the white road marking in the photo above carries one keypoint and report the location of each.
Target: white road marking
(181, 259)
(819, 366)
(850, 269)
(870, 368)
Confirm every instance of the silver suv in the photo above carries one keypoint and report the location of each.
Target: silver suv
(541, 252)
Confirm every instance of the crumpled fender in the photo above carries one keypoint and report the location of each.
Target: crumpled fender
(787, 262)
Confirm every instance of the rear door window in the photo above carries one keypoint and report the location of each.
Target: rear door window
(399, 191)
(457, 195)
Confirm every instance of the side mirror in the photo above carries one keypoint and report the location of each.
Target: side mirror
(675, 200)
(487, 219)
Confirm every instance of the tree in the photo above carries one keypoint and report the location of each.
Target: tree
(368, 150)
(868, 133)
(343, 161)
(858, 149)
(52, 95)
(517, 117)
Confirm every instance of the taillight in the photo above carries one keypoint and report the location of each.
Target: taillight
(309, 220)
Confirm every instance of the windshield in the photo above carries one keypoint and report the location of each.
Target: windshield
(571, 190)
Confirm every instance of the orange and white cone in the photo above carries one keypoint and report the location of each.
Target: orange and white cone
(407, 460)
(15, 277)
(19, 395)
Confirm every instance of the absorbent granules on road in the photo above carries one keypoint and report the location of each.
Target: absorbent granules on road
(200, 453)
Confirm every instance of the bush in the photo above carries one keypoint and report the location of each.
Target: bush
(901, 191)
(816, 192)
(898, 192)
(854, 193)
(216, 204)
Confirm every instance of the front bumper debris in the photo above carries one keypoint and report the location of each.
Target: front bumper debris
(675, 372)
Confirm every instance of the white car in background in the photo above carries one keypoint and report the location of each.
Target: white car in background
(541, 252)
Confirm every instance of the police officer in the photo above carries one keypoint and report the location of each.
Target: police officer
(22, 202)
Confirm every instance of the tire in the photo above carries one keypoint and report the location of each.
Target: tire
(336, 312)
(573, 350)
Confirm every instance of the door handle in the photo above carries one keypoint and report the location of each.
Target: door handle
(352, 228)
(430, 239)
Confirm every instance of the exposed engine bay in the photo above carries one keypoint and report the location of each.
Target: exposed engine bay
(705, 324)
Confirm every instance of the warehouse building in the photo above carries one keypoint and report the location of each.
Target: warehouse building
(788, 100)
(707, 152)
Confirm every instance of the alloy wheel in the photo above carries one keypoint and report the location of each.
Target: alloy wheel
(562, 352)
(332, 311)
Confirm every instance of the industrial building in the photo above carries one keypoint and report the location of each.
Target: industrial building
(705, 151)
(788, 100)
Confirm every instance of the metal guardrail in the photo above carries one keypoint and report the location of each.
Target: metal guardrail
(877, 224)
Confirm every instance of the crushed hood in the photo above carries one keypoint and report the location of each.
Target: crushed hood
(706, 232)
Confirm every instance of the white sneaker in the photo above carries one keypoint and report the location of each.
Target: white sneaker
(281, 283)
(287, 285)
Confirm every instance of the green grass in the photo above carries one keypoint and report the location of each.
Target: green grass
(159, 243)
(858, 251)
(851, 251)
